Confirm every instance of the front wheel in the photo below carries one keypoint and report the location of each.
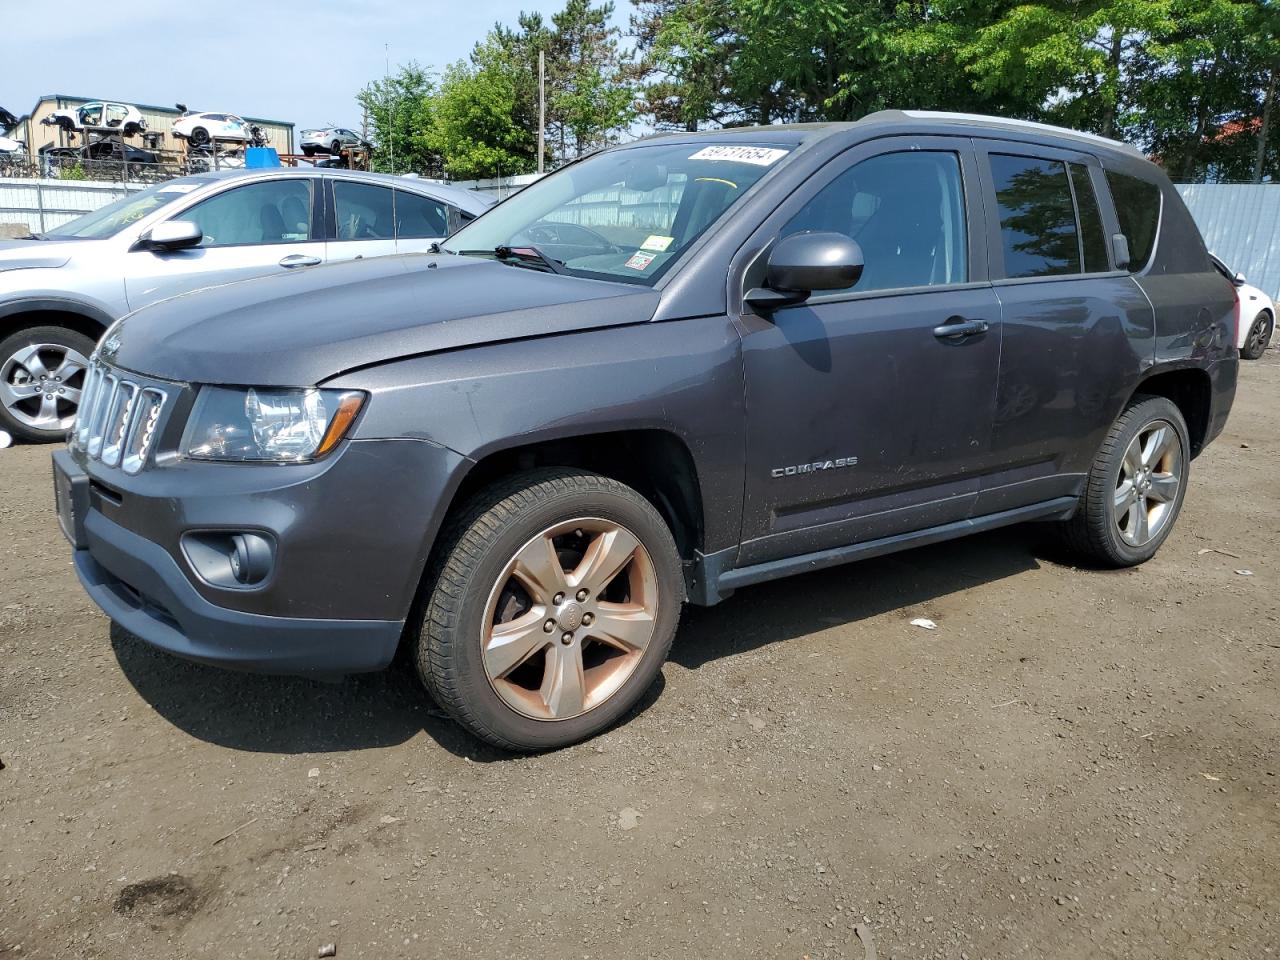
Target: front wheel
(550, 609)
(1134, 491)
(199, 137)
(42, 371)
(1255, 344)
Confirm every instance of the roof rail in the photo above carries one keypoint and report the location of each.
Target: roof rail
(1024, 124)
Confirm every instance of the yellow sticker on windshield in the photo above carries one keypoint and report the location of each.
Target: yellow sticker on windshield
(657, 242)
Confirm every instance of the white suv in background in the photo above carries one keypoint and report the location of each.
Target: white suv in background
(1257, 314)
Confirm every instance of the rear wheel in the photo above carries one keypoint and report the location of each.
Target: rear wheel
(1135, 489)
(42, 371)
(1255, 344)
(551, 609)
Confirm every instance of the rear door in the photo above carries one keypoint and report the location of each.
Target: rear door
(363, 221)
(420, 221)
(1076, 331)
(866, 419)
(250, 230)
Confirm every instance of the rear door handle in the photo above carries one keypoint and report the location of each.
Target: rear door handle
(957, 328)
(299, 260)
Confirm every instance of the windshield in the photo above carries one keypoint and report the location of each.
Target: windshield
(624, 214)
(109, 220)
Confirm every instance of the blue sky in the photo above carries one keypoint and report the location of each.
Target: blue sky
(302, 60)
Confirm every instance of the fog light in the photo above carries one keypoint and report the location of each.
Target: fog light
(250, 558)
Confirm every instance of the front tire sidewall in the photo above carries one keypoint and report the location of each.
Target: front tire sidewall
(1138, 419)
(498, 722)
(1250, 352)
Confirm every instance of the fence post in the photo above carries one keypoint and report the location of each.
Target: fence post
(40, 204)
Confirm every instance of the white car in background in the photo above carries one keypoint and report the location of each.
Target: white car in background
(199, 128)
(1257, 314)
(101, 116)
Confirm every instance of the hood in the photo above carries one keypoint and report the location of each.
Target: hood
(302, 328)
(34, 254)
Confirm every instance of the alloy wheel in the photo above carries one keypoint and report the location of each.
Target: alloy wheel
(1148, 484)
(569, 619)
(40, 385)
(1259, 334)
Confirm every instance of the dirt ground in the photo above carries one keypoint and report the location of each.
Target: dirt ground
(1074, 764)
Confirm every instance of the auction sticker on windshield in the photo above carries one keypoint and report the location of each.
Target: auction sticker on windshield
(760, 156)
(657, 242)
(640, 261)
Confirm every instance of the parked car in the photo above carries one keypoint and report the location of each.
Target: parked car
(99, 116)
(199, 128)
(789, 348)
(59, 291)
(331, 140)
(11, 147)
(1257, 313)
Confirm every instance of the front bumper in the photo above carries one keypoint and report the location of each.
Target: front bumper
(352, 535)
(139, 586)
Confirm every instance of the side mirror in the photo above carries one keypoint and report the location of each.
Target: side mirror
(805, 262)
(174, 235)
(1239, 279)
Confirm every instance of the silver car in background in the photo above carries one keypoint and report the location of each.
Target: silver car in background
(330, 140)
(60, 290)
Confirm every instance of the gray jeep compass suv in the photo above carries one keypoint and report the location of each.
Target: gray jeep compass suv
(669, 370)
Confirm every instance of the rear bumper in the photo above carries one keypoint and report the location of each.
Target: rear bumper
(139, 586)
(1222, 376)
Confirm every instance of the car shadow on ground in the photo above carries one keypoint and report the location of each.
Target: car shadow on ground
(291, 715)
(796, 606)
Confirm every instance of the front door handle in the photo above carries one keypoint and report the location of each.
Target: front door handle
(299, 260)
(957, 328)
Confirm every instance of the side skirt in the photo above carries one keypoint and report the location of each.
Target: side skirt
(712, 579)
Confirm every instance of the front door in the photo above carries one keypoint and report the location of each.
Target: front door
(865, 417)
(365, 221)
(251, 230)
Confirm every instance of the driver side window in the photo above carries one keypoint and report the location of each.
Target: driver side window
(906, 210)
(274, 211)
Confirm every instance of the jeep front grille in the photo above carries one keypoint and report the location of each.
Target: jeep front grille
(118, 416)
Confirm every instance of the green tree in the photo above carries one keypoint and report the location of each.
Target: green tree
(399, 109)
(476, 127)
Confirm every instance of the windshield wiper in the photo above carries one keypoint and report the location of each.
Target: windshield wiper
(528, 255)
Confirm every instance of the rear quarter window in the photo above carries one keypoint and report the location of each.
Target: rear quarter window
(1137, 204)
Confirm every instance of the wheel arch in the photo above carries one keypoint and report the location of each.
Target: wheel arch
(654, 462)
(50, 311)
(1190, 389)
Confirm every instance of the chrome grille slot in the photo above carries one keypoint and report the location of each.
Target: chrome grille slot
(118, 422)
(118, 418)
(148, 404)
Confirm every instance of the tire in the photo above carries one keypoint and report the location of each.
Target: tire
(1255, 344)
(335, 148)
(199, 137)
(473, 586)
(1108, 524)
(27, 412)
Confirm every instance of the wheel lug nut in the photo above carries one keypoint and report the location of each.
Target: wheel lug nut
(582, 595)
(588, 617)
(548, 626)
(558, 599)
(567, 639)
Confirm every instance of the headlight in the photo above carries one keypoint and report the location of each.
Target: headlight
(286, 426)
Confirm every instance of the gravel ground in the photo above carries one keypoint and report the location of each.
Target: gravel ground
(1074, 764)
